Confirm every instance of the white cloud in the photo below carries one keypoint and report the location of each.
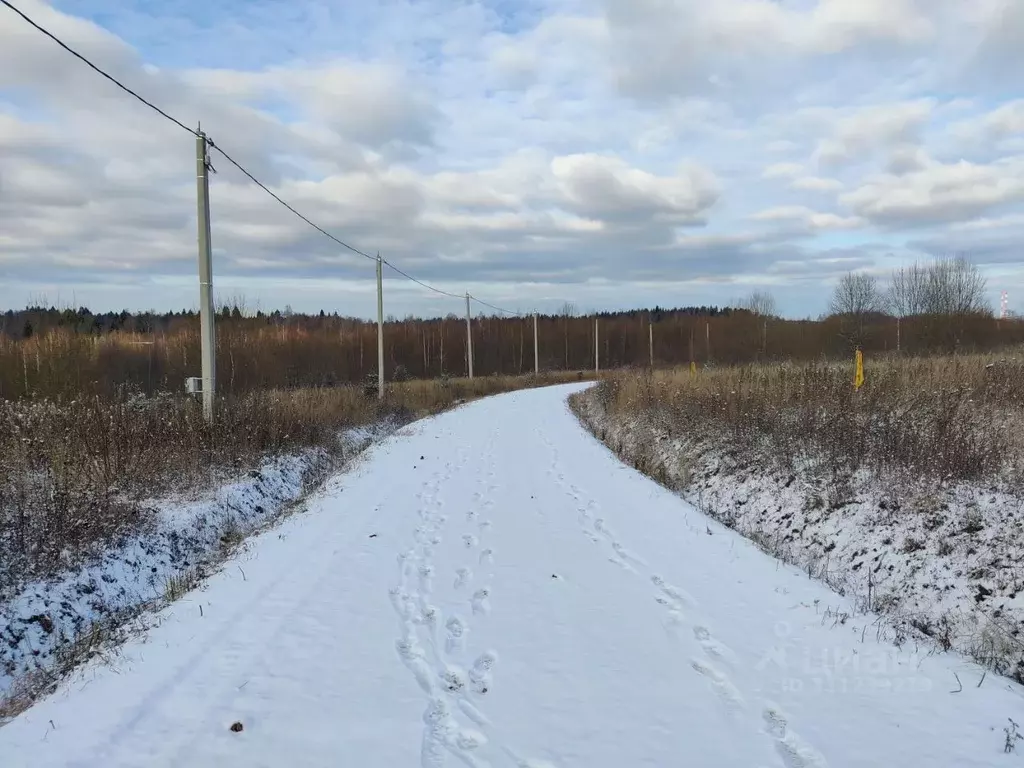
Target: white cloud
(853, 133)
(560, 143)
(684, 46)
(817, 184)
(1005, 121)
(782, 171)
(607, 188)
(939, 192)
(810, 218)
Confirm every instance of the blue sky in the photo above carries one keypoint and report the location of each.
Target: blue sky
(611, 153)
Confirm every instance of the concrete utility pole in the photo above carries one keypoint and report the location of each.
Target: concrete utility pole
(380, 328)
(650, 341)
(536, 349)
(206, 330)
(469, 338)
(597, 348)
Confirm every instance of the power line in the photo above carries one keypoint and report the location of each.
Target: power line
(266, 189)
(420, 282)
(496, 309)
(92, 66)
(238, 165)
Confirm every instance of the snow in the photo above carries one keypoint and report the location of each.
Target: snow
(934, 561)
(43, 616)
(491, 587)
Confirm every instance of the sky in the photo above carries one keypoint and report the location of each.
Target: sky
(611, 154)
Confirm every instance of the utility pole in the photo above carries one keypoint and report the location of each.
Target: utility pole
(469, 338)
(536, 349)
(597, 348)
(206, 331)
(380, 328)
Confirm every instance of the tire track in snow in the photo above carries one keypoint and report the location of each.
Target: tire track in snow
(448, 686)
(790, 748)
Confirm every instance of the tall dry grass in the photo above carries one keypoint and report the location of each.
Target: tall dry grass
(944, 419)
(74, 472)
(307, 351)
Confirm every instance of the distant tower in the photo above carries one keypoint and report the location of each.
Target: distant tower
(1004, 306)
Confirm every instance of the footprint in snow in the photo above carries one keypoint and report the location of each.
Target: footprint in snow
(456, 638)
(487, 557)
(481, 601)
(403, 604)
(469, 540)
(426, 572)
(673, 592)
(462, 577)
(468, 739)
(622, 564)
(711, 646)
(412, 656)
(794, 753)
(721, 685)
(454, 680)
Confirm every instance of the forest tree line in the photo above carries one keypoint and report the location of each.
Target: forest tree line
(50, 352)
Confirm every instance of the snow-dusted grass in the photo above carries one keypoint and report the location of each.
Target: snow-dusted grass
(50, 625)
(111, 508)
(905, 497)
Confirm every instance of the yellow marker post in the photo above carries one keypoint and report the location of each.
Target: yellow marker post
(858, 376)
(693, 368)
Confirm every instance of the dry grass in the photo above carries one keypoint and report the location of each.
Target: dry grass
(74, 472)
(941, 419)
(830, 479)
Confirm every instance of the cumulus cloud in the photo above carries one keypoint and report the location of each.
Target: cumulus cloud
(607, 188)
(529, 151)
(938, 192)
(855, 132)
(814, 220)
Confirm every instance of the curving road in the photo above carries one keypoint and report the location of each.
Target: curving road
(491, 587)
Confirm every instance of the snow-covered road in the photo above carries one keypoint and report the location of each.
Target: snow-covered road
(491, 587)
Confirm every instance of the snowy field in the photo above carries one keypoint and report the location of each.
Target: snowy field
(491, 587)
(189, 536)
(938, 562)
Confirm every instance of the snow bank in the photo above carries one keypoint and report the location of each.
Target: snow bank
(935, 562)
(40, 624)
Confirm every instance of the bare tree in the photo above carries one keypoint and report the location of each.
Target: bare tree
(760, 303)
(956, 287)
(949, 286)
(908, 290)
(855, 295)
